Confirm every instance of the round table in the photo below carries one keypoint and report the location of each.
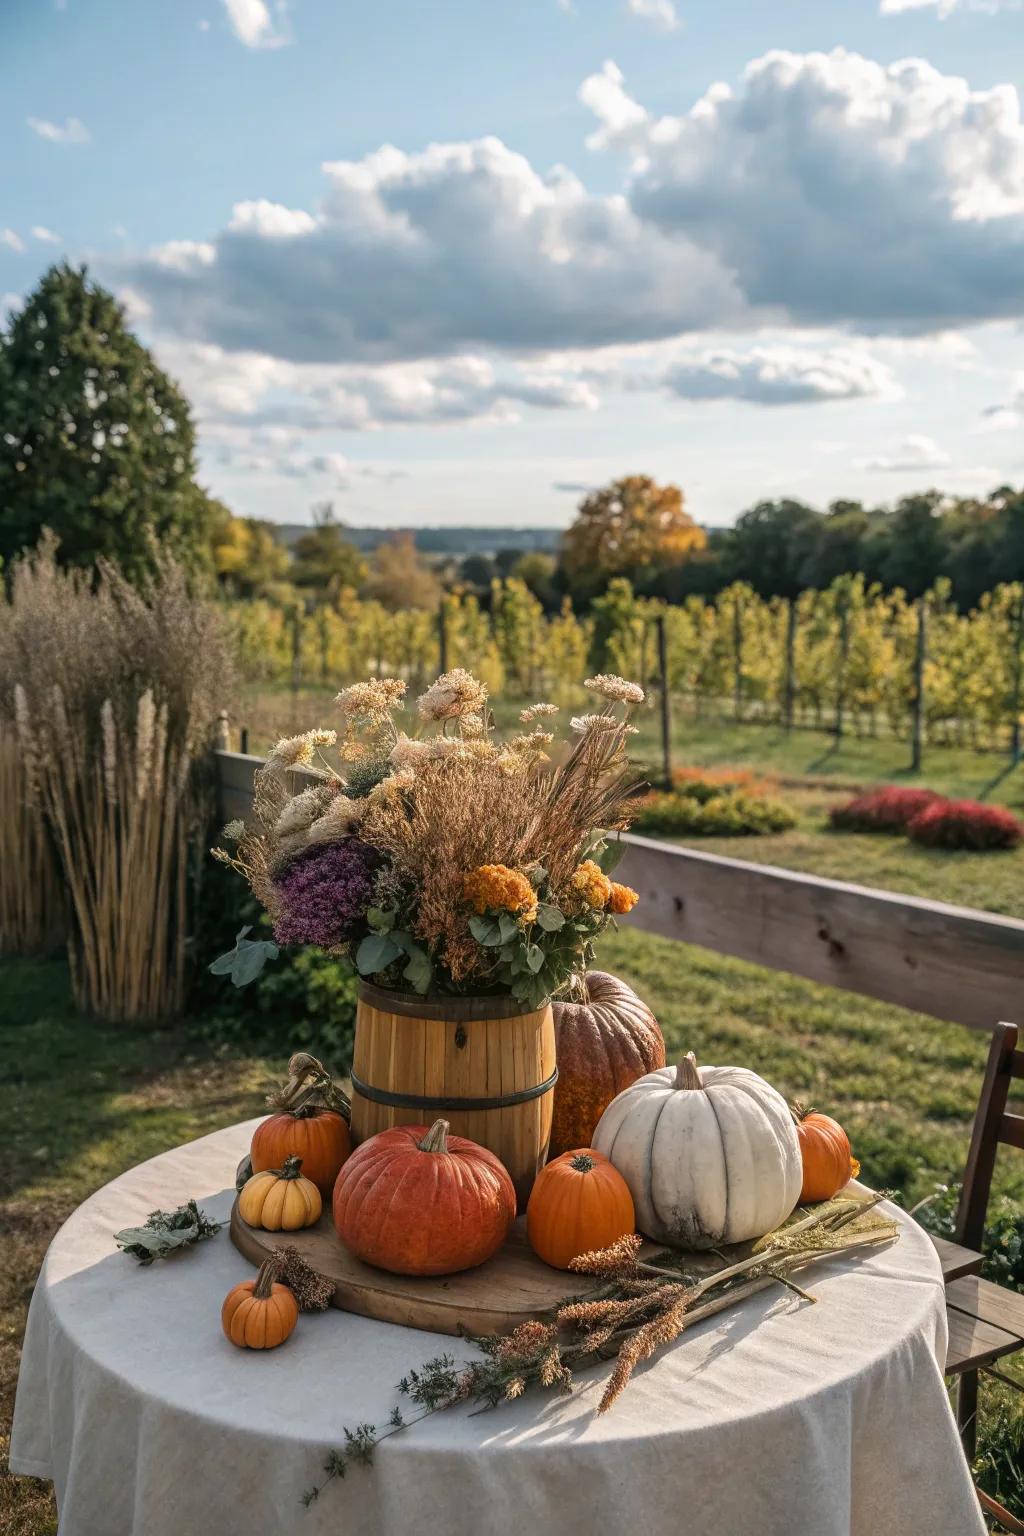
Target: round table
(780, 1419)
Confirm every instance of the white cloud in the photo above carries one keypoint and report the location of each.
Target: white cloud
(204, 25)
(826, 191)
(255, 25)
(944, 8)
(660, 13)
(914, 453)
(780, 375)
(71, 131)
(44, 235)
(12, 240)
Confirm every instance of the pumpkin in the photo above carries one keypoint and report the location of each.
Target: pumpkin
(280, 1200)
(311, 1125)
(828, 1164)
(603, 1043)
(578, 1203)
(260, 1313)
(420, 1202)
(710, 1154)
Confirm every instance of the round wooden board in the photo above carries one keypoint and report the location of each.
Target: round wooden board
(510, 1288)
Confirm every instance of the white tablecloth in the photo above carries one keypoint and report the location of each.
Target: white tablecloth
(782, 1419)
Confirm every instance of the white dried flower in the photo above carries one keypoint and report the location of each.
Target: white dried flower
(145, 721)
(407, 752)
(371, 702)
(584, 723)
(233, 831)
(297, 751)
(300, 811)
(454, 694)
(534, 710)
(340, 819)
(616, 688)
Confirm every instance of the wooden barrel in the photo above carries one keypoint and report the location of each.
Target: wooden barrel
(478, 1062)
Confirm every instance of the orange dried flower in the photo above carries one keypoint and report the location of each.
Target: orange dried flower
(495, 885)
(590, 882)
(623, 898)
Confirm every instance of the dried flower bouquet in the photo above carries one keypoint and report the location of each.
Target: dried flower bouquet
(441, 856)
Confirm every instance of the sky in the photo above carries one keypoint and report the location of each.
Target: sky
(461, 263)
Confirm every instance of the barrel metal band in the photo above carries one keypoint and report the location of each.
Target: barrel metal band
(427, 1101)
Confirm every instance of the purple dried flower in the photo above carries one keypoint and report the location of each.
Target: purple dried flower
(325, 893)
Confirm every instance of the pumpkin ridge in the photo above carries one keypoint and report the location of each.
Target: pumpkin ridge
(650, 1159)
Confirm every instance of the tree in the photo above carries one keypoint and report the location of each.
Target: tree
(627, 528)
(248, 558)
(537, 570)
(400, 577)
(323, 559)
(772, 544)
(96, 442)
(915, 549)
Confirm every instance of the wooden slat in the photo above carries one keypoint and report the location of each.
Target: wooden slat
(956, 1261)
(992, 1304)
(973, 1343)
(950, 962)
(1011, 1130)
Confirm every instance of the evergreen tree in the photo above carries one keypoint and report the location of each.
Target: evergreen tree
(96, 442)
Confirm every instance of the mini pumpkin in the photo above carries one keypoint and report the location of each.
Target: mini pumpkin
(710, 1154)
(578, 1204)
(310, 1124)
(280, 1199)
(421, 1202)
(828, 1163)
(260, 1313)
(603, 1042)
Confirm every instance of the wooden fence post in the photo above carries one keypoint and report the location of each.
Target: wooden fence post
(442, 636)
(789, 680)
(917, 736)
(222, 734)
(844, 651)
(1018, 670)
(666, 702)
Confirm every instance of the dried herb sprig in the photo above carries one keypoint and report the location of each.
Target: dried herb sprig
(644, 1306)
(164, 1232)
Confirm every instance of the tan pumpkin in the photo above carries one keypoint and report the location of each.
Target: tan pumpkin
(259, 1313)
(603, 1043)
(579, 1204)
(828, 1163)
(280, 1199)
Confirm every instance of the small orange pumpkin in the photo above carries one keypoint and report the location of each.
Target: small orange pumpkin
(420, 1202)
(827, 1158)
(579, 1203)
(260, 1313)
(311, 1125)
(280, 1199)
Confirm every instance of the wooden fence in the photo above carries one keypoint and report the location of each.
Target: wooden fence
(951, 962)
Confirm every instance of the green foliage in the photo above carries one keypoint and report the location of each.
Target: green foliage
(97, 442)
(165, 1232)
(324, 559)
(695, 813)
(1003, 1244)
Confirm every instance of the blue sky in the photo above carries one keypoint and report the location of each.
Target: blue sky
(454, 263)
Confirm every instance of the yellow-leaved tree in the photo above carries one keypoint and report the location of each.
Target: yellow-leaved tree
(628, 527)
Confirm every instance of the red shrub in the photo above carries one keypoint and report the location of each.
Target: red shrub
(889, 809)
(965, 824)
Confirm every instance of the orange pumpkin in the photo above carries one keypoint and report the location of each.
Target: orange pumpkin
(825, 1149)
(260, 1313)
(603, 1043)
(318, 1137)
(579, 1203)
(420, 1202)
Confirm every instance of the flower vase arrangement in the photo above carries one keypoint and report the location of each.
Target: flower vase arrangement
(466, 874)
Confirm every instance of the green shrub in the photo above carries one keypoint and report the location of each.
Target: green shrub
(722, 815)
(1003, 1245)
(304, 1000)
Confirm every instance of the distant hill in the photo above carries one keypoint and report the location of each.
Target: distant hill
(441, 541)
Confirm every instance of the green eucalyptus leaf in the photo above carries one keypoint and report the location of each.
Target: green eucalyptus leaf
(380, 919)
(486, 931)
(507, 927)
(419, 972)
(376, 952)
(549, 917)
(608, 858)
(535, 957)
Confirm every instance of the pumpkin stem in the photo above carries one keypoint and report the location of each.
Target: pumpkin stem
(291, 1168)
(582, 1162)
(267, 1277)
(800, 1112)
(436, 1139)
(309, 1088)
(687, 1075)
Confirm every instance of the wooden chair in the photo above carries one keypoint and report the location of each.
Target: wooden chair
(986, 1321)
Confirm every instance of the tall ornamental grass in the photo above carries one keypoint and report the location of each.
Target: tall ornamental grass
(31, 897)
(113, 691)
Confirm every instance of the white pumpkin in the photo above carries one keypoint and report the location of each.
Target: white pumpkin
(710, 1154)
